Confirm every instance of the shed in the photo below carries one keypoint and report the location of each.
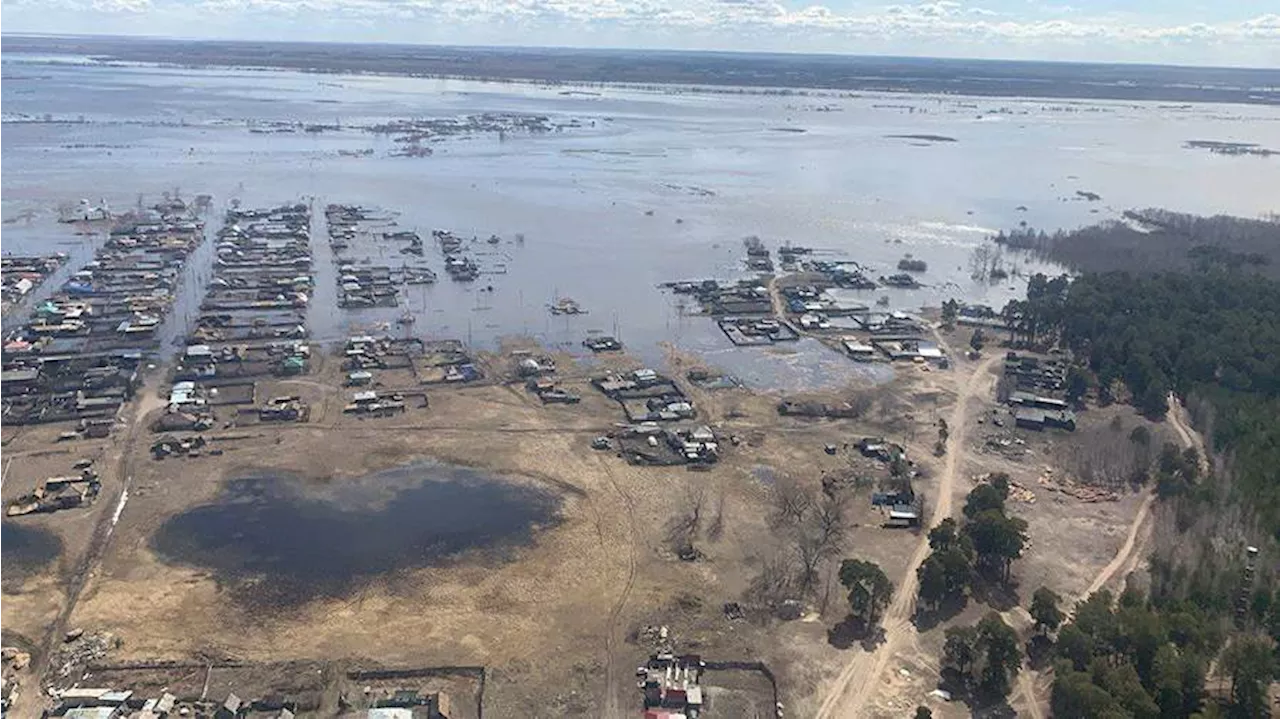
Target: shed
(1061, 419)
(1031, 401)
(904, 514)
(390, 713)
(702, 433)
(1029, 418)
(115, 697)
(645, 375)
(83, 694)
(19, 376)
(929, 351)
(92, 713)
(858, 350)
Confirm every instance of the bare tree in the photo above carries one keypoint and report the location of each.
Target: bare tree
(830, 516)
(683, 528)
(792, 502)
(715, 526)
(811, 525)
(980, 261)
(1105, 457)
(818, 535)
(773, 584)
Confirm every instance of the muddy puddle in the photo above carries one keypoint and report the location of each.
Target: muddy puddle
(273, 539)
(25, 552)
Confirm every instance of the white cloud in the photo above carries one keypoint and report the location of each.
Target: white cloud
(128, 6)
(930, 27)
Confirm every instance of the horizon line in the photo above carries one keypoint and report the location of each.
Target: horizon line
(668, 50)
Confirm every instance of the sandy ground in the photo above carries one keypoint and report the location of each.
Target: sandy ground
(1075, 548)
(583, 591)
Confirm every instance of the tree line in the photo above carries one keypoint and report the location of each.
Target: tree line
(1197, 317)
(1211, 337)
(1154, 240)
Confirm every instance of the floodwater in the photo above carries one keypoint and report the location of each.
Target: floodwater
(279, 540)
(25, 551)
(650, 187)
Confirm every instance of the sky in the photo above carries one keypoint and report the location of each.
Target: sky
(1195, 32)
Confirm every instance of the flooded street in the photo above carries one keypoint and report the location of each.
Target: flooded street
(279, 540)
(634, 188)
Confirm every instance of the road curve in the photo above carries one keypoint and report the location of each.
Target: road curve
(857, 681)
(1125, 558)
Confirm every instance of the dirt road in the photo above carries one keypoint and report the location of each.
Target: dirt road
(776, 300)
(1126, 549)
(1027, 688)
(615, 629)
(1190, 438)
(1135, 542)
(113, 497)
(858, 680)
(1123, 562)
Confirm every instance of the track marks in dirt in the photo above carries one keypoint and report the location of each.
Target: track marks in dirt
(612, 640)
(860, 677)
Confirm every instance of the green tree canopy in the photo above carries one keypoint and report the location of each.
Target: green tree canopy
(1045, 610)
(984, 497)
(869, 588)
(1250, 662)
(1002, 657)
(997, 540)
(960, 649)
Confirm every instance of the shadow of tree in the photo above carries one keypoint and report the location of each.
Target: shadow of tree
(1039, 651)
(1000, 596)
(853, 629)
(1000, 710)
(847, 632)
(874, 638)
(926, 619)
(979, 704)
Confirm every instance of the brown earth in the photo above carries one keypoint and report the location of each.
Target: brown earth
(560, 623)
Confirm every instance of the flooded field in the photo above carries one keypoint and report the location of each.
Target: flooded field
(25, 551)
(280, 540)
(616, 191)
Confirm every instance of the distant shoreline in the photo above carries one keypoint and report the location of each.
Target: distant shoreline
(705, 72)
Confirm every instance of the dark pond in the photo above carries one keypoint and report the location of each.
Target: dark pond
(281, 540)
(25, 551)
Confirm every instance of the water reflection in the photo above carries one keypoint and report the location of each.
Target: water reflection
(280, 540)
